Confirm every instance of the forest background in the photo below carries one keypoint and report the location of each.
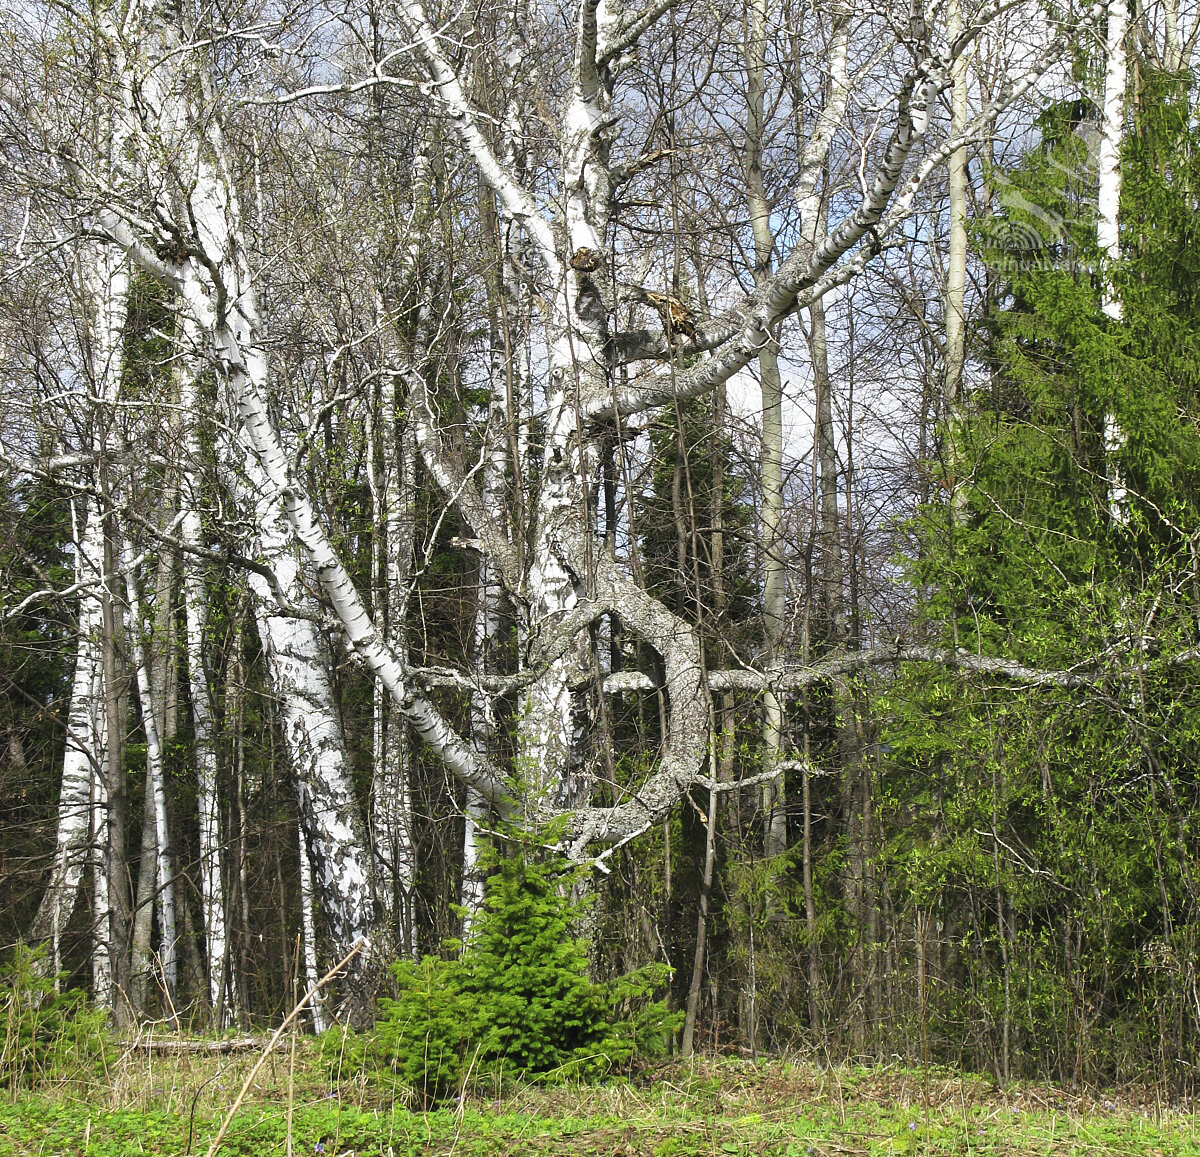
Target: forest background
(746, 451)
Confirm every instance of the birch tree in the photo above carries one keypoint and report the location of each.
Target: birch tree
(196, 614)
(562, 582)
(565, 577)
(83, 761)
(609, 340)
(90, 776)
(1112, 132)
(157, 123)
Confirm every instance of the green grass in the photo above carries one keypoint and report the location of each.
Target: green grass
(777, 1109)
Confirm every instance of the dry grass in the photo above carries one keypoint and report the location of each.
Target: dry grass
(780, 1108)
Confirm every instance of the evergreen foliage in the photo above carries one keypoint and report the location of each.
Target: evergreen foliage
(992, 872)
(1053, 828)
(47, 1036)
(518, 999)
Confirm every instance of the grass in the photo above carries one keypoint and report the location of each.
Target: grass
(173, 1106)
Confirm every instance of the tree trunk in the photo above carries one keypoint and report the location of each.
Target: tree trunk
(774, 570)
(102, 963)
(84, 754)
(706, 880)
(391, 829)
(196, 616)
(815, 987)
(163, 655)
(829, 536)
(83, 799)
(1112, 131)
(156, 783)
(956, 280)
(956, 255)
(299, 663)
(116, 929)
(141, 966)
(312, 972)
(108, 289)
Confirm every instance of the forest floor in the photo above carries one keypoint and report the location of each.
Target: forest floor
(174, 1106)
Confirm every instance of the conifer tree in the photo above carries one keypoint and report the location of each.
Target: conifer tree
(1071, 806)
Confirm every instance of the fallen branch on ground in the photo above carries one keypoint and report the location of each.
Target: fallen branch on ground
(175, 1045)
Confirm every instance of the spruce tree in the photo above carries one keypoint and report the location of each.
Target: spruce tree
(1051, 828)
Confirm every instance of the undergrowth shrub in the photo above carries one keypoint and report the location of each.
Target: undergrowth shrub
(517, 1001)
(420, 1038)
(47, 1036)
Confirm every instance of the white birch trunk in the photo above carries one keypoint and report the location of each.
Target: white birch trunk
(1174, 56)
(1112, 130)
(579, 359)
(774, 571)
(391, 802)
(160, 658)
(381, 814)
(554, 582)
(83, 756)
(141, 965)
(105, 277)
(956, 274)
(102, 965)
(486, 636)
(956, 257)
(485, 632)
(505, 438)
(580, 366)
(195, 599)
(472, 891)
(1108, 202)
(312, 974)
(82, 807)
(164, 887)
(114, 930)
(299, 663)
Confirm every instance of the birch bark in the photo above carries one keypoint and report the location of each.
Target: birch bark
(1112, 129)
(312, 973)
(113, 932)
(105, 282)
(774, 570)
(196, 603)
(217, 290)
(103, 989)
(486, 634)
(299, 663)
(503, 448)
(956, 263)
(84, 754)
(580, 366)
(140, 947)
(164, 885)
(391, 826)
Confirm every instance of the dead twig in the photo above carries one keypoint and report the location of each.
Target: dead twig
(262, 1060)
